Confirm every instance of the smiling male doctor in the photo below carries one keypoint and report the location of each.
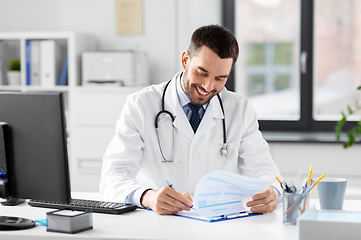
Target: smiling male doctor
(134, 169)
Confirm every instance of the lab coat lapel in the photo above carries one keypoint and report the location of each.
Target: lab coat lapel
(181, 122)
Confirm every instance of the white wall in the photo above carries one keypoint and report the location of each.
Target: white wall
(168, 25)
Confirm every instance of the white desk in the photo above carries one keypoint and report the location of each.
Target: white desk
(143, 224)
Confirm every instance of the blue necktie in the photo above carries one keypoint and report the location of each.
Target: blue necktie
(195, 117)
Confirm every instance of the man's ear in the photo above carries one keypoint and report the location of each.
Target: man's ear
(185, 59)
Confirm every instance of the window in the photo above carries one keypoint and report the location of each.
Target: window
(269, 67)
(337, 61)
(299, 60)
(269, 74)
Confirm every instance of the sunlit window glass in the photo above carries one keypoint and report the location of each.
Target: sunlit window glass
(337, 57)
(267, 72)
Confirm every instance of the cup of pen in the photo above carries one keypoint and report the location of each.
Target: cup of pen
(294, 204)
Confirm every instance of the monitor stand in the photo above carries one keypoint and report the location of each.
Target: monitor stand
(12, 201)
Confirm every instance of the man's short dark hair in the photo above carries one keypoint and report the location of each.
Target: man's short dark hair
(218, 38)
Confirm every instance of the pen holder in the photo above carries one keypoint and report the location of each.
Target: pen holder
(294, 204)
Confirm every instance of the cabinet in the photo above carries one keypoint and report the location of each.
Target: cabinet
(95, 113)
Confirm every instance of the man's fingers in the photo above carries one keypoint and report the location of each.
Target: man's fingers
(187, 195)
(270, 207)
(163, 208)
(265, 201)
(175, 204)
(265, 193)
(169, 201)
(166, 200)
(178, 196)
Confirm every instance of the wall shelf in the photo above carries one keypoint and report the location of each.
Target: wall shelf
(72, 45)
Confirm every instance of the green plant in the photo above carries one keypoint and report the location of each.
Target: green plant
(15, 65)
(353, 133)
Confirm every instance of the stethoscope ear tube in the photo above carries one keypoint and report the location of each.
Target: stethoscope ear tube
(224, 149)
(165, 160)
(224, 123)
(156, 127)
(161, 112)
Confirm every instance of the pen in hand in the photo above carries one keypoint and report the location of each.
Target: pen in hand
(171, 186)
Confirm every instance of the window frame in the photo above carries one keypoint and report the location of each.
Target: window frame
(306, 123)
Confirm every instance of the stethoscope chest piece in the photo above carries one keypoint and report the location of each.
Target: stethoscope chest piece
(224, 150)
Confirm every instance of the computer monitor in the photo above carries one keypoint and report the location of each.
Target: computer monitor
(33, 139)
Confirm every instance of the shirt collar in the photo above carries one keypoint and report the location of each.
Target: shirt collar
(182, 97)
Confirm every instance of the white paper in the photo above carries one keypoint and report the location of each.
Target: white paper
(193, 214)
(68, 213)
(223, 193)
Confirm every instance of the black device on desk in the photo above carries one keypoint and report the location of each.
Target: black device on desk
(33, 155)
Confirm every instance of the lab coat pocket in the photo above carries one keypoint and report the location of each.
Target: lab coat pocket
(227, 163)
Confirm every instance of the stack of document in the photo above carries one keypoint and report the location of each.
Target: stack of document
(222, 195)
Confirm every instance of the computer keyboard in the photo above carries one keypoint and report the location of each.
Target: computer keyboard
(87, 205)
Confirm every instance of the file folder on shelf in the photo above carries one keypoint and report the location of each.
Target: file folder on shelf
(35, 63)
(50, 62)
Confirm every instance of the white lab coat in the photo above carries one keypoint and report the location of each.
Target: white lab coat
(133, 158)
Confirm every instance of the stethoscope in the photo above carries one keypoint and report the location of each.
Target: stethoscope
(223, 151)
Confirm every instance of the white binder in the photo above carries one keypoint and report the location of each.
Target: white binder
(50, 62)
(35, 62)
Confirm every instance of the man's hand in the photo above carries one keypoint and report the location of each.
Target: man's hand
(263, 202)
(166, 201)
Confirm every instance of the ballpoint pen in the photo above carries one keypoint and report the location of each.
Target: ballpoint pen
(309, 187)
(171, 186)
(304, 185)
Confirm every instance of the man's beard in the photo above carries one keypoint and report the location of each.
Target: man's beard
(187, 90)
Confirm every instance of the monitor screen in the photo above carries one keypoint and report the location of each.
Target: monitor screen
(37, 163)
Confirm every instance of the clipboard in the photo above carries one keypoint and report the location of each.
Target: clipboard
(194, 215)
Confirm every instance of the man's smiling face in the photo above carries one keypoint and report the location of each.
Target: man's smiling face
(205, 74)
